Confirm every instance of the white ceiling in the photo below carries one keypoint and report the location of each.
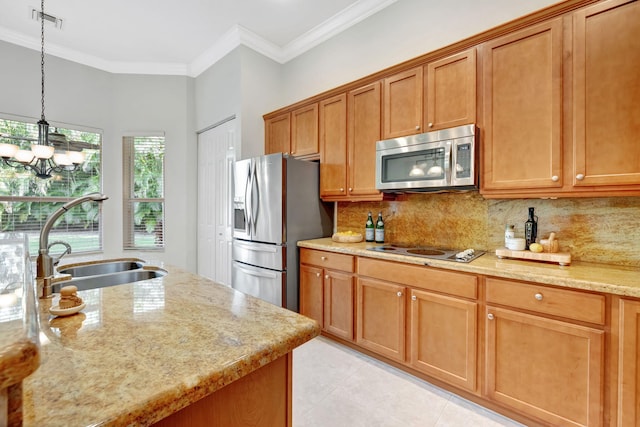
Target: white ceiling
(181, 37)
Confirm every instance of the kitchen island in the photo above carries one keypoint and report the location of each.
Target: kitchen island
(141, 352)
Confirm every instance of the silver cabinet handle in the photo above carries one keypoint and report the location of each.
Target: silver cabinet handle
(490, 316)
(580, 177)
(414, 298)
(555, 178)
(399, 294)
(538, 296)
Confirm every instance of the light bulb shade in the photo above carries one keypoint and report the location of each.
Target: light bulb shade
(416, 171)
(8, 150)
(24, 156)
(42, 151)
(77, 157)
(62, 159)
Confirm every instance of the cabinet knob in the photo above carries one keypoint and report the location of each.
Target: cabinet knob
(490, 316)
(341, 189)
(418, 127)
(317, 274)
(538, 296)
(555, 178)
(326, 276)
(414, 298)
(324, 258)
(580, 177)
(399, 294)
(350, 189)
(430, 125)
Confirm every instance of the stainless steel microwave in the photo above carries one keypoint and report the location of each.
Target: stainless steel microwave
(438, 160)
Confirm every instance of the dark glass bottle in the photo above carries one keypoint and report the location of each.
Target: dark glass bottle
(369, 229)
(380, 229)
(531, 229)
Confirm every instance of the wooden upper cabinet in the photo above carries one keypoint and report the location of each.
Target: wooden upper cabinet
(402, 104)
(277, 132)
(450, 92)
(333, 147)
(364, 121)
(522, 78)
(304, 131)
(606, 94)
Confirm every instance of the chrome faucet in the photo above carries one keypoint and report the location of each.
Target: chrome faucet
(44, 263)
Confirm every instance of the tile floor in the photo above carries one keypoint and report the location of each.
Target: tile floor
(335, 386)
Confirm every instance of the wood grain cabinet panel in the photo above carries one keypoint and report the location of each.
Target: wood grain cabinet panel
(402, 104)
(629, 364)
(451, 91)
(333, 147)
(304, 131)
(547, 369)
(606, 64)
(311, 292)
(338, 304)
(443, 337)
(522, 77)
(277, 132)
(380, 317)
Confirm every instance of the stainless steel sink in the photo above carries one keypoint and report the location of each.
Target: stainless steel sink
(110, 279)
(107, 267)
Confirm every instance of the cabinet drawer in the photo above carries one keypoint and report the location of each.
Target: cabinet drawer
(543, 299)
(459, 284)
(324, 259)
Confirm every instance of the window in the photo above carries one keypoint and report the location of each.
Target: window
(26, 201)
(143, 192)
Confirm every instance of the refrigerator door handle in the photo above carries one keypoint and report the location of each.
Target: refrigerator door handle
(250, 247)
(255, 193)
(257, 273)
(247, 200)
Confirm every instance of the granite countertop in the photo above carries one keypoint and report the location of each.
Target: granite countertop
(139, 352)
(606, 278)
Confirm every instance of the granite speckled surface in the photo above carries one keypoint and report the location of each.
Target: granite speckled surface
(599, 230)
(613, 279)
(140, 352)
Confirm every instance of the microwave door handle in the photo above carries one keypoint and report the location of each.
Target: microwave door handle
(448, 159)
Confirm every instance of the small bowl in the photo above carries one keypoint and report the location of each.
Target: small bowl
(516, 244)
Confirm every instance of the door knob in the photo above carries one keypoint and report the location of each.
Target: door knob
(555, 178)
(538, 296)
(580, 177)
(414, 298)
(490, 316)
(399, 294)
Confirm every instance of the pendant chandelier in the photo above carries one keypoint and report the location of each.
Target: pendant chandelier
(52, 153)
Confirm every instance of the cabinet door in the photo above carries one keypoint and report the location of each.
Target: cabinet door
(277, 131)
(522, 77)
(304, 131)
(333, 147)
(443, 338)
(606, 94)
(363, 132)
(545, 368)
(380, 315)
(338, 304)
(629, 369)
(311, 292)
(451, 91)
(402, 104)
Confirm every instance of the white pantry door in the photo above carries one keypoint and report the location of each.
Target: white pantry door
(216, 156)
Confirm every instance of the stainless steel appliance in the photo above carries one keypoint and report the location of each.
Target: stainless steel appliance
(466, 255)
(276, 202)
(439, 160)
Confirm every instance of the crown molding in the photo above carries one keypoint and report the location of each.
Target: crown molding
(233, 38)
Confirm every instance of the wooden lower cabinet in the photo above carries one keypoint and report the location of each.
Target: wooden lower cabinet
(548, 369)
(443, 337)
(380, 317)
(628, 411)
(327, 291)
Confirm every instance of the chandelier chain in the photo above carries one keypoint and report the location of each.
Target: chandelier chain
(42, 54)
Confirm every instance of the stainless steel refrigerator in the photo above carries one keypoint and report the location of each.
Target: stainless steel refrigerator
(276, 203)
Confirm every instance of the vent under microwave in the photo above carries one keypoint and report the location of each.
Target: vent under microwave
(433, 161)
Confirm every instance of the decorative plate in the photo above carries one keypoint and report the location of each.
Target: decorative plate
(57, 311)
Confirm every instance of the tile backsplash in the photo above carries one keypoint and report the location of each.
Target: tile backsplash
(601, 230)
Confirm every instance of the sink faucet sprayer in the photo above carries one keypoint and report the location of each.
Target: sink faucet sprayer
(44, 263)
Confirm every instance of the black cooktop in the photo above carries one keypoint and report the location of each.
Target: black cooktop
(466, 255)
